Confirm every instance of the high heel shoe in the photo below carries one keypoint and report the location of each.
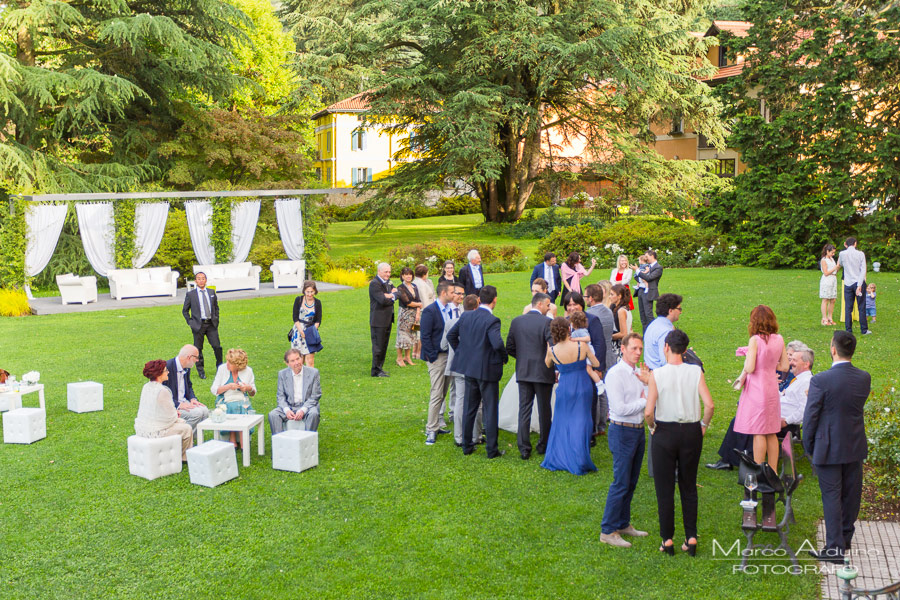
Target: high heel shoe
(670, 549)
(691, 549)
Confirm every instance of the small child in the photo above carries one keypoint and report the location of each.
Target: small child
(579, 323)
(870, 303)
(643, 267)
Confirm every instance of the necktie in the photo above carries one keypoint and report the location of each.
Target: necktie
(455, 313)
(205, 300)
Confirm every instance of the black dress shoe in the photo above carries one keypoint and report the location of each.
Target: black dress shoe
(829, 556)
(442, 431)
(499, 454)
(382, 374)
(720, 466)
(525, 455)
(468, 452)
(593, 441)
(201, 373)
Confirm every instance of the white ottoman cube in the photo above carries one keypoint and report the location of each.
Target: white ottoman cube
(212, 463)
(295, 450)
(85, 396)
(154, 457)
(10, 401)
(293, 425)
(24, 425)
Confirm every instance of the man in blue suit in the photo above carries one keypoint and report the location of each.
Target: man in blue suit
(179, 382)
(479, 354)
(549, 272)
(431, 327)
(834, 436)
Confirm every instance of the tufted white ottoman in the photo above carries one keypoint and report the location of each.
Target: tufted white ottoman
(85, 396)
(295, 450)
(212, 463)
(10, 401)
(154, 457)
(24, 425)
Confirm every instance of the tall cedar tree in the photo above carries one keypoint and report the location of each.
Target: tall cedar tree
(88, 89)
(817, 119)
(477, 82)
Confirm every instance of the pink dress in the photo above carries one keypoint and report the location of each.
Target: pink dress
(759, 410)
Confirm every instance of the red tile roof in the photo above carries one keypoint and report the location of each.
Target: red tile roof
(353, 104)
(736, 28)
(726, 72)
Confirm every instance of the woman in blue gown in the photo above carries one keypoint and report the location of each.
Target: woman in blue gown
(568, 448)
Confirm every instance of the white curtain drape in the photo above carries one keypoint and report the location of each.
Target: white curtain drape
(97, 226)
(289, 213)
(149, 226)
(45, 223)
(244, 216)
(199, 218)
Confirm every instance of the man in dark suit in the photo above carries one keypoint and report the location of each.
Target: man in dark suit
(527, 342)
(549, 272)
(472, 275)
(201, 311)
(179, 382)
(647, 295)
(834, 436)
(431, 326)
(382, 295)
(479, 354)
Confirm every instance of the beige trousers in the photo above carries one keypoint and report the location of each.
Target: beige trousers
(439, 382)
(187, 436)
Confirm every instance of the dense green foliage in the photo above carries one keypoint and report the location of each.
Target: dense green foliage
(13, 232)
(315, 227)
(123, 218)
(175, 249)
(815, 120)
(220, 238)
(883, 433)
(478, 83)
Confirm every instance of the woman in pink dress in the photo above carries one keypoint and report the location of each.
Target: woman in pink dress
(759, 410)
(573, 272)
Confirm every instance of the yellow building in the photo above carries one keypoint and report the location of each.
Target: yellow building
(346, 152)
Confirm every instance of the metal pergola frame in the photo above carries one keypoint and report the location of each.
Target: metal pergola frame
(182, 195)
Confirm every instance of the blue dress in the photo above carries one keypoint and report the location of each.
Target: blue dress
(568, 448)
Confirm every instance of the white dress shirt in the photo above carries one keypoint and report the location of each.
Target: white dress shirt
(854, 263)
(477, 278)
(793, 399)
(627, 395)
(548, 277)
(298, 387)
(179, 377)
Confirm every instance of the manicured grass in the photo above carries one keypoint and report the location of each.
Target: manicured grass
(382, 516)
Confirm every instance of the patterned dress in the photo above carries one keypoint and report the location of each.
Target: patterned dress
(406, 337)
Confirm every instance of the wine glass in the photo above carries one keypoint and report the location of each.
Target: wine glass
(750, 482)
(246, 403)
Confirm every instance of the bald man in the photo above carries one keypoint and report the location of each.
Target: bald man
(189, 408)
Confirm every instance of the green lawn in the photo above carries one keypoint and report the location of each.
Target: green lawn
(382, 516)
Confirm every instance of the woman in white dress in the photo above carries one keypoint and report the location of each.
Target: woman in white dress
(157, 416)
(828, 283)
(622, 275)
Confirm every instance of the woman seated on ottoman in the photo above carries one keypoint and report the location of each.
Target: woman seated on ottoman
(234, 385)
(157, 416)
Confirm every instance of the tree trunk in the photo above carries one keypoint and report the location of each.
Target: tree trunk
(503, 200)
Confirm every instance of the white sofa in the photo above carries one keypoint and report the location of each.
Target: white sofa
(138, 283)
(230, 277)
(75, 289)
(288, 273)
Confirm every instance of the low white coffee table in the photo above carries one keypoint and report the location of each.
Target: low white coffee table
(7, 393)
(242, 423)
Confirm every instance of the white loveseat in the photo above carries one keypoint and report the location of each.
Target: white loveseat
(138, 283)
(230, 277)
(288, 273)
(74, 289)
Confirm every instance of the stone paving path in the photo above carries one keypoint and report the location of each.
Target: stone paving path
(876, 554)
(53, 305)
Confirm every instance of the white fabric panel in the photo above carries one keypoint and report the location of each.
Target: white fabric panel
(199, 218)
(244, 216)
(45, 223)
(97, 226)
(149, 226)
(289, 213)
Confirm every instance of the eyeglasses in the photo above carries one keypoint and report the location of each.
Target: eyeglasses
(679, 309)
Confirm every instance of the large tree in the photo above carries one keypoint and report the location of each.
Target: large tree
(477, 82)
(817, 119)
(88, 89)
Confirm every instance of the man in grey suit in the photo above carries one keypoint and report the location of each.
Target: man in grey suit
(593, 297)
(298, 395)
(650, 276)
(458, 380)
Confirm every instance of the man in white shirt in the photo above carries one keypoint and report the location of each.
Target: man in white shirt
(298, 394)
(793, 398)
(626, 387)
(854, 263)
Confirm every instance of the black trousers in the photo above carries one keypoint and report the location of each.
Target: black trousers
(734, 441)
(676, 447)
(210, 332)
(478, 392)
(849, 297)
(528, 390)
(841, 487)
(645, 307)
(380, 338)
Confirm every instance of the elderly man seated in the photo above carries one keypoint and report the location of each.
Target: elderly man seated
(793, 398)
(298, 395)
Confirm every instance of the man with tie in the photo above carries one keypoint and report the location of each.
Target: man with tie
(648, 278)
(834, 436)
(201, 311)
(382, 295)
(480, 356)
(472, 275)
(549, 272)
(179, 382)
(527, 342)
(431, 327)
(457, 391)
(298, 393)
(854, 263)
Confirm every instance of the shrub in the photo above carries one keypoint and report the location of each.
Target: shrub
(263, 255)
(883, 430)
(356, 262)
(357, 278)
(539, 200)
(341, 214)
(14, 303)
(175, 249)
(315, 226)
(433, 254)
(537, 224)
(458, 205)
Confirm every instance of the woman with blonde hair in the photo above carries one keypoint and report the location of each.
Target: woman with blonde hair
(234, 385)
(622, 274)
